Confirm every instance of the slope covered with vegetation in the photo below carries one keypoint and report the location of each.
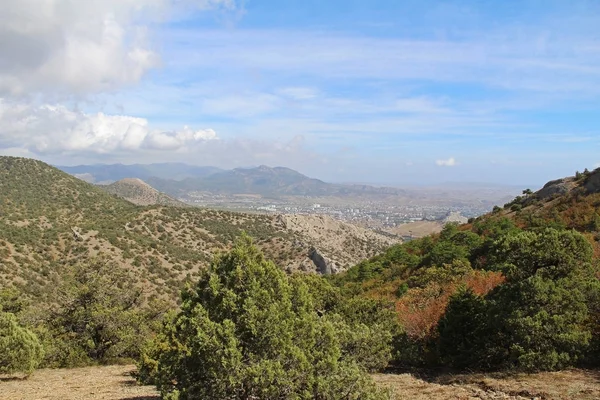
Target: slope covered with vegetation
(50, 220)
(92, 274)
(516, 288)
(139, 192)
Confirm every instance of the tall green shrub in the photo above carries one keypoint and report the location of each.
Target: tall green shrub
(20, 349)
(246, 332)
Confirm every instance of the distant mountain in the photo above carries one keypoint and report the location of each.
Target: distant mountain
(107, 173)
(266, 181)
(177, 179)
(139, 192)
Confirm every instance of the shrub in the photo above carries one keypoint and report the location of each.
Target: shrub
(20, 349)
(245, 331)
(536, 324)
(460, 330)
(538, 319)
(97, 316)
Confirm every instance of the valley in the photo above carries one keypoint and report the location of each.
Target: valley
(102, 274)
(280, 190)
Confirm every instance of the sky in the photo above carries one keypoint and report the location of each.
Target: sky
(379, 91)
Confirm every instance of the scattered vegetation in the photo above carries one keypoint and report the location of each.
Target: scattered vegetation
(91, 279)
(247, 330)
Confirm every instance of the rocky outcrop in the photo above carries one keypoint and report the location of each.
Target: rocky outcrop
(555, 188)
(592, 182)
(324, 266)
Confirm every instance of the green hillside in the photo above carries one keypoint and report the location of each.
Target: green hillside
(516, 288)
(49, 219)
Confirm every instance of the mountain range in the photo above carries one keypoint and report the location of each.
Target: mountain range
(180, 179)
(108, 173)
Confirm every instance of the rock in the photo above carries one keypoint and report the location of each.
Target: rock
(556, 187)
(592, 183)
(324, 267)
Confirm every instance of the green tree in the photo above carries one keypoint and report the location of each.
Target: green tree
(97, 316)
(20, 349)
(245, 332)
(462, 330)
(552, 253)
(536, 324)
(538, 319)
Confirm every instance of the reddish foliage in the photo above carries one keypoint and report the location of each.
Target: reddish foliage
(421, 308)
(483, 282)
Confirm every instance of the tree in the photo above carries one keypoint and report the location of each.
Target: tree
(536, 324)
(20, 349)
(461, 330)
(539, 319)
(97, 316)
(553, 253)
(246, 332)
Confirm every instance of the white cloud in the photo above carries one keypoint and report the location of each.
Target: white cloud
(513, 61)
(451, 162)
(53, 129)
(74, 47)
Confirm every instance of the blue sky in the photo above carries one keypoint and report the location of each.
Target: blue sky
(371, 91)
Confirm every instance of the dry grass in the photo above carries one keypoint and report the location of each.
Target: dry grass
(563, 385)
(116, 383)
(418, 229)
(92, 383)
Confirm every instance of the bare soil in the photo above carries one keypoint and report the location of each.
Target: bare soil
(564, 385)
(418, 229)
(117, 383)
(92, 383)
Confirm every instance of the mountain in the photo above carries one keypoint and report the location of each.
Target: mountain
(177, 179)
(101, 173)
(266, 181)
(139, 192)
(50, 219)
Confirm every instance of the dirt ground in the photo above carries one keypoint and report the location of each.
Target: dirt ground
(564, 385)
(92, 383)
(418, 229)
(116, 383)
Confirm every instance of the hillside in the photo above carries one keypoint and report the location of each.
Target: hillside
(49, 219)
(504, 271)
(139, 192)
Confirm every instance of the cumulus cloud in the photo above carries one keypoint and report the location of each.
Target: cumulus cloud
(54, 129)
(67, 46)
(451, 162)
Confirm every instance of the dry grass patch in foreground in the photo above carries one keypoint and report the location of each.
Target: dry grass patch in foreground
(563, 385)
(116, 383)
(92, 383)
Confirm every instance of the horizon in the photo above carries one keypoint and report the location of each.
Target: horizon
(369, 183)
(391, 94)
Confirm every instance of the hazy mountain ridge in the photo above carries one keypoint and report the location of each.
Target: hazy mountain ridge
(99, 173)
(179, 179)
